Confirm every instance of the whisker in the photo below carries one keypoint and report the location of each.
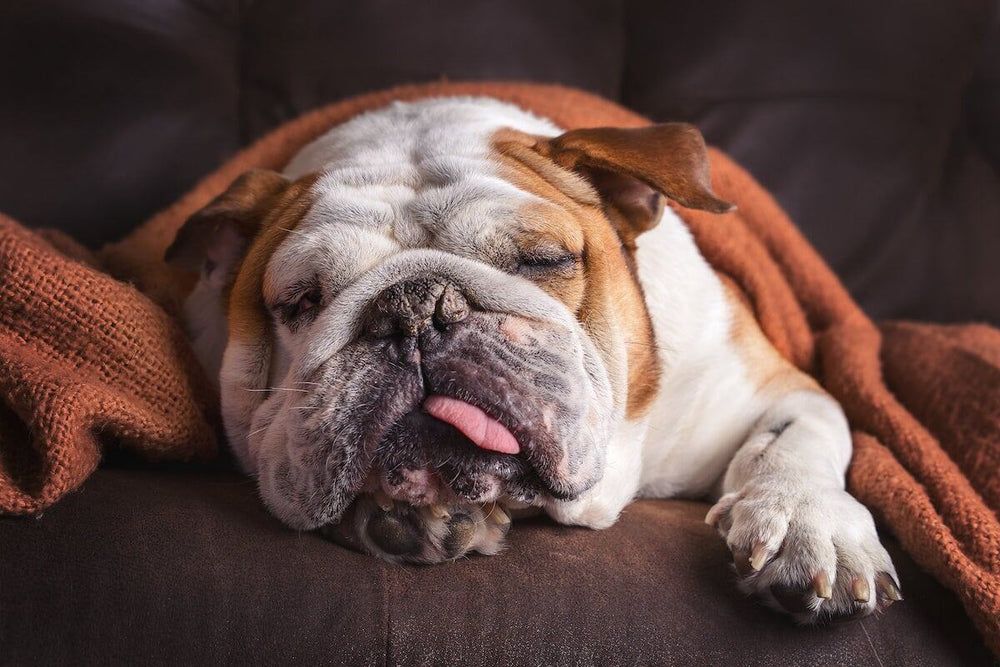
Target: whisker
(493, 507)
(265, 389)
(259, 430)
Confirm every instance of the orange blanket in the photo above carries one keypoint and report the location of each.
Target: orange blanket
(85, 358)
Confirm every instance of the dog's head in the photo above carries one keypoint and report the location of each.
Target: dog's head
(438, 305)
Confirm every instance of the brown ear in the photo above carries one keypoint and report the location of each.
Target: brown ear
(633, 168)
(217, 235)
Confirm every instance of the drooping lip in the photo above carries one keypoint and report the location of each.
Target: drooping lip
(500, 398)
(526, 486)
(475, 424)
(509, 449)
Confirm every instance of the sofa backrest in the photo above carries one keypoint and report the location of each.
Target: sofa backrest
(876, 125)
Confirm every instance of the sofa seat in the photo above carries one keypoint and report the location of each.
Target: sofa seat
(178, 565)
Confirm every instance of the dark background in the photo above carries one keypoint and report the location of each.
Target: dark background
(876, 124)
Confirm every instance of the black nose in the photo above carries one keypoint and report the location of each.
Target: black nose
(411, 306)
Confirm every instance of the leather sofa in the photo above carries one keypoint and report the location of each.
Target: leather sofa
(874, 124)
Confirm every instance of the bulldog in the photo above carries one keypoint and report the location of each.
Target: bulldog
(447, 311)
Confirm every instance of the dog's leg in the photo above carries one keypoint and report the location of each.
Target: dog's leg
(799, 540)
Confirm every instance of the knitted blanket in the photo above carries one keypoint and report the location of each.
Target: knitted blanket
(90, 357)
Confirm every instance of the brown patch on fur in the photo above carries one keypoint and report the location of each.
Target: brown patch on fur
(548, 226)
(670, 158)
(248, 318)
(607, 298)
(522, 147)
(773, 374)
(233, 215)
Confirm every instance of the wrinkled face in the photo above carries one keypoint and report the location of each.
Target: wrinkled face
(397, 325)
(438, 315)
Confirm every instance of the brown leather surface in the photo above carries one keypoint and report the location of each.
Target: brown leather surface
(874, 124)
(186, 567)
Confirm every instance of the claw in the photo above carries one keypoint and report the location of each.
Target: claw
(741, 559)
(461, 532)
(383, 501)
(821, 584)
(713, 516)
(496, 514)
(758, 558)
(888, 586)
(440, 512)
(861, 590)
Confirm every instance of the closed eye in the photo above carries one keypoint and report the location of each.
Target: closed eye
(557, 261)
(302, 307)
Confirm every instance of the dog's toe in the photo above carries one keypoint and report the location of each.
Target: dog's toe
(400, 532)
(816, 557)
(461, 532)
(394, 533)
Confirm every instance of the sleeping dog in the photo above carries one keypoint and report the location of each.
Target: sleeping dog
(449, 311)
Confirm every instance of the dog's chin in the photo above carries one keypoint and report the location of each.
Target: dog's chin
(423, 461)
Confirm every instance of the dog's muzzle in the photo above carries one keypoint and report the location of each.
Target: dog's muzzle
(483, 395)
(440, 399)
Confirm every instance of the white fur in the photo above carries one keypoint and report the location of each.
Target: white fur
(389, 180)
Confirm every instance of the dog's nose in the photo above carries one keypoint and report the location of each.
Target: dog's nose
(411, 306)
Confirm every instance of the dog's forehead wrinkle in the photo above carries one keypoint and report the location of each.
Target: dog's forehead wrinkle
(416, 132)
(422, 175)
(474, 218)
(477, 199)
(332, 255)
(371, 206)
(433, 205)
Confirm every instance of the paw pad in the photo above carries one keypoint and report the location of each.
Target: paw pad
(400, 532)
(394, 533)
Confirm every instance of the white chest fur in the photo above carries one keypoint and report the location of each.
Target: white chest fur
(706, 404)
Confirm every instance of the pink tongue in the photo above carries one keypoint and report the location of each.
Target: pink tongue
(475, 424)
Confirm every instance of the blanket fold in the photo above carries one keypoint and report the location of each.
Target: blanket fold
(86, 359)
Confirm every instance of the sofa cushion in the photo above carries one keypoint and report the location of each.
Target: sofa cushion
(854, 116)
(298, 58)
(185, 566)
(872, 123)
(111, 109)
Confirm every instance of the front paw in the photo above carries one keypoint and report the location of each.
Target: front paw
(403, 533)
(811, 553)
